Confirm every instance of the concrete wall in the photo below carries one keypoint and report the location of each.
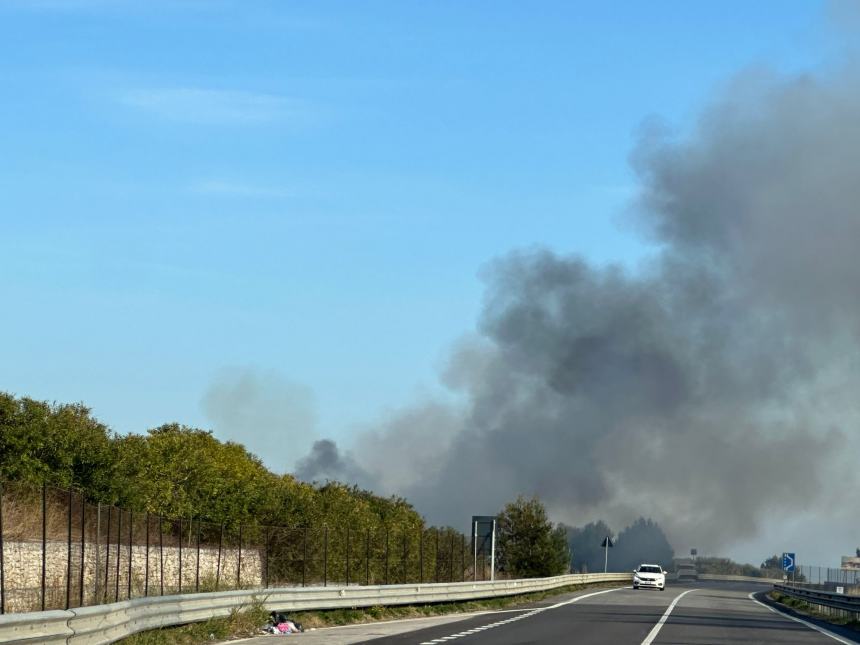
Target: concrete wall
(23, 571)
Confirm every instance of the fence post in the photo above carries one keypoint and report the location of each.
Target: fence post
(180, 555)
(118, 543)
(218, 568)
(347, 556)
(130, 538)
(463, 557)
(146, 562)
(367, 558)
(161, 553)
(2, 570)
(83, 545)
(267, 559)
(304, 554)
(98, 572)
(437, 556)
(44, 538)
(325, 557)
(403, 561)
(386, 555)
(421, 554)
(107, 557)
(197, 566)
(239, 564)
(69, 551)
(452, 556)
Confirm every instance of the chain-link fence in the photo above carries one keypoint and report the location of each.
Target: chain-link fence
(826, 579)
(59, 551)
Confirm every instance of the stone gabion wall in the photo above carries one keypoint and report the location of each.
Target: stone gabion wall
(103, 581)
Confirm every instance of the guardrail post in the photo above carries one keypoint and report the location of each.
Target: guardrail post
(2, 568)
(44, 538)
(325, 557)
(83, 545)
(69, 551)
(420, 554)
(347, 556)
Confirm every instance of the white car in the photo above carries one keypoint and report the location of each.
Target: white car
(649, 576)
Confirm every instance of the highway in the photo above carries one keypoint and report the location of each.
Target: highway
(701, 613)
(684, 614)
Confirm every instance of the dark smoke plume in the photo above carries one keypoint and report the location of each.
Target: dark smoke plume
(325, 463)
(714, 388)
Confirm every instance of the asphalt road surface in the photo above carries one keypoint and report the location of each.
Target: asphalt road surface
(689, 614)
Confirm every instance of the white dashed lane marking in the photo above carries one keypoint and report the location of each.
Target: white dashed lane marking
(527, 614)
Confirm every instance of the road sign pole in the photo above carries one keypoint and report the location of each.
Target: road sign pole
(475, 547)
(493, 554)
(605, 556)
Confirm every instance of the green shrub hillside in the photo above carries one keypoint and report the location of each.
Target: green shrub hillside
(175, 471)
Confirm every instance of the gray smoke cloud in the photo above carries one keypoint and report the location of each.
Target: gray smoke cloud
(273, 417)
(714, 387)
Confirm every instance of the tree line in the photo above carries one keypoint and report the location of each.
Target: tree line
(175, 471)
(184, 472)
(642, 541)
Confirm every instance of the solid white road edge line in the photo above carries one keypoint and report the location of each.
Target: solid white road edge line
(656, 629)
(802, 622)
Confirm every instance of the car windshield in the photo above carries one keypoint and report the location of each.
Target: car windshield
(646, 569)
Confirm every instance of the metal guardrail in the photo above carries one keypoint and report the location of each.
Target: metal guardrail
(727, 578)
(101, 624)
(821, 598)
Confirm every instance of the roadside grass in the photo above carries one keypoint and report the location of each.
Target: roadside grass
(247, 621)
(244, 621)
(806, 609)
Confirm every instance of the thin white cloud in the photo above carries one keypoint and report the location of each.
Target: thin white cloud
(238, 189)
(213, 107)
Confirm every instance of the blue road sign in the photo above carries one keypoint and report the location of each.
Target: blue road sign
(788, 560)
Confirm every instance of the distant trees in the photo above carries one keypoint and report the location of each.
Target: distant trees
(773, 562)
(642, 541)
(528, 544)
(586, 555)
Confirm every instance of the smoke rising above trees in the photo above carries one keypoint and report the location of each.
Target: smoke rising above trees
(712, 388)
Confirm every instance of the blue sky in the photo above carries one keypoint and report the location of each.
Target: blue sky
(306, 192)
